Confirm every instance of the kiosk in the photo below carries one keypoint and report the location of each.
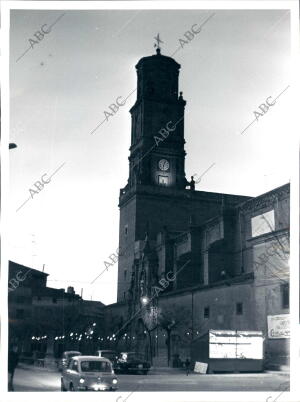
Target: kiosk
(230, 351)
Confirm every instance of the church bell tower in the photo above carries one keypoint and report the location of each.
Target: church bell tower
(157, 131)
(156, 164)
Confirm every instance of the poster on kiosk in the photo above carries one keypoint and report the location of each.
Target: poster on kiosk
(225, 344)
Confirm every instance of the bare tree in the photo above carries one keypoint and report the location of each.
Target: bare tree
(179, 318)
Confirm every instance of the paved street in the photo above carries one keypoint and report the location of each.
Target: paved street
(29, 378)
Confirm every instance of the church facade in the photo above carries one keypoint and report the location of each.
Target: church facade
(190, 261)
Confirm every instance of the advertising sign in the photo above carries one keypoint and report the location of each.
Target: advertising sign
(235, 344)
(200, 368)
(249, 345)
(278, 326)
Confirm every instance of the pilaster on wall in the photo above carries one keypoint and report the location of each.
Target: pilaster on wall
(205, 268)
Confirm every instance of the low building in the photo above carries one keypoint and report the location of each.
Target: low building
(44, 321)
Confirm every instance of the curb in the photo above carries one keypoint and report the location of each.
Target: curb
(171, 370)
(279, 372)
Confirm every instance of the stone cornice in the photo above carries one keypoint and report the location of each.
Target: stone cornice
(265, 200)
(181, 195)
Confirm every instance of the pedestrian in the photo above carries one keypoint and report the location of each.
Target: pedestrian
(13, 359)
(187, 366)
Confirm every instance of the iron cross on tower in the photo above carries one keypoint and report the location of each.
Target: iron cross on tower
(157, 44)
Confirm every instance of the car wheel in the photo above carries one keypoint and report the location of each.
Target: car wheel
(71, 387)
(62, 387)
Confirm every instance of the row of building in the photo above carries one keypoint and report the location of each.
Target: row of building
(45, 321)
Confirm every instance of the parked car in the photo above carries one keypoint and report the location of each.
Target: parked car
(66, 356)
(132, 362)
(108, 354)
(89, 373)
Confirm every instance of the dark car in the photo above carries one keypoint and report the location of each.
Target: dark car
(132, 362)
(110, 355)
(66, 357)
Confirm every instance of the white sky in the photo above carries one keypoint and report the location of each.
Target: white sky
(238, 60)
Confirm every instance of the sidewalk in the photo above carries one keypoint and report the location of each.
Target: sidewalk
(174, 371)
(166, 370)
(276, 367)
(283, 370)
(25, 366)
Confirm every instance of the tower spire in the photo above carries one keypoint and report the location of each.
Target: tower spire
(157, 158)
(157, 44)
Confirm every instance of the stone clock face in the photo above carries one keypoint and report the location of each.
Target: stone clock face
(163, 164)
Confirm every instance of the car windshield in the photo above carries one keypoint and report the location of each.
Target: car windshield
(95, 365)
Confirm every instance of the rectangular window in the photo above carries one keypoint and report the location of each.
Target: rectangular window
(163, 180)
(125, 274)
(206, 312)
(126, 230)
(239, 308)
(264, 223)
(54, 300)
(285, 295)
